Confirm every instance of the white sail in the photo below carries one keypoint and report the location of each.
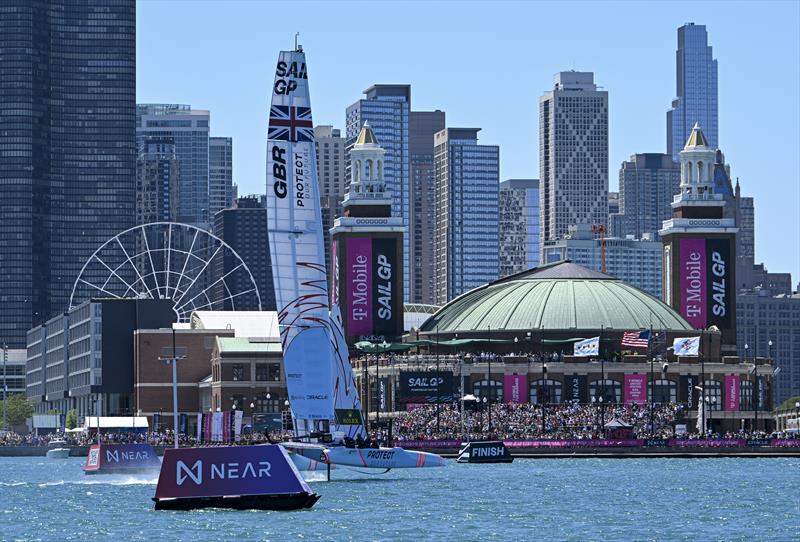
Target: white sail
(297, 246)
(347, 404)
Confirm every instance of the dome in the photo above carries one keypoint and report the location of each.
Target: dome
(560, 296)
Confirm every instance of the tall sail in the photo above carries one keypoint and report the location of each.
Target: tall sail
(297, 247)
(318, 373)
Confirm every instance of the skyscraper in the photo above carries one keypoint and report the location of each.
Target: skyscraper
(67, 142)
(244, 227)
(387, 109)
(573, 154)
(423, 126)
(696, 90)
(745, 239)
(157, 174)
(647, 184)
(220, 173)
(189, 128)
(332, 182)
(519, 225)
(467, 232)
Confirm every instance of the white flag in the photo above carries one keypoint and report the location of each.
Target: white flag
(686, 346)
(587, 347)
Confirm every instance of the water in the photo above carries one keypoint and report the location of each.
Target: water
(560, 499)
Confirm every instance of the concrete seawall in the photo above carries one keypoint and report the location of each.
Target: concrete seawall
(41, 451)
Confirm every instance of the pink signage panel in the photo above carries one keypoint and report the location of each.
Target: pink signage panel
(732, 395)
(358, 271)
(515, 388)
(635, 391)
(693, 281)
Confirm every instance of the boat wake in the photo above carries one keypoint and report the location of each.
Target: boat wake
(108, 480)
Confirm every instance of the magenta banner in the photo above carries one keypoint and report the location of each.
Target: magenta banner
(693, 281)
(515, 388)
(359, 285)
(713, 442)
(635, 389)
(732, 392)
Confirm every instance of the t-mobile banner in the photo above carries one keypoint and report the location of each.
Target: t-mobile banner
(686, 392)
(732, 392)
(515, 388)
(720, 283)
(359, 286)
(386, 307)
(575, 388)
(693, 281)
(334, 273)
(635, 389)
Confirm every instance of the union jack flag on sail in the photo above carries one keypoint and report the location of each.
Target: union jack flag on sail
(289, 123)
(636, 339)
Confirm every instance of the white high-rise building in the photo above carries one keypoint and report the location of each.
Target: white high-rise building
(519, 225)
(573, 154)
(220, 174)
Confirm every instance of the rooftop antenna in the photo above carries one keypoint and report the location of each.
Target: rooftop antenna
(297, 47)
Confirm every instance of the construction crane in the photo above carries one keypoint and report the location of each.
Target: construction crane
(601, 229)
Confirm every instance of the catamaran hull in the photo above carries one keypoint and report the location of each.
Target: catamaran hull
(313, 457)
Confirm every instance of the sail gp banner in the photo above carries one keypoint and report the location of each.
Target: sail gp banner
(706, 282)
(228, 470)
(372, 287)
(515, 388)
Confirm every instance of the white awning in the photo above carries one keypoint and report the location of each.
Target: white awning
(117, 422)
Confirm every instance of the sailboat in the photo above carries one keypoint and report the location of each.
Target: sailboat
(323, 397)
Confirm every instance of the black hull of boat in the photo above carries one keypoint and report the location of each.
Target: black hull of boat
(294, 501)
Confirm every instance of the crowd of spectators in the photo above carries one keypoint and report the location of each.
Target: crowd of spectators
(524, 421)
(160, 438)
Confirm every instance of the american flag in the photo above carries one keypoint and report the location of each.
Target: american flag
(287, 123)
(636, 339)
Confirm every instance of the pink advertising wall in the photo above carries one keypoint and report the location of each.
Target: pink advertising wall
(731, 394)
(635, 391)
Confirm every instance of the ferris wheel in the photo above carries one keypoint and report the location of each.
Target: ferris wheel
(167, 260)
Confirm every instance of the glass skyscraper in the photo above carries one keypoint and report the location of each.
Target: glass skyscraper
(220, 173)
(387, 109)
(519, 226)
(67, 148)
(696, 82)
(189, 128)
(467, 233)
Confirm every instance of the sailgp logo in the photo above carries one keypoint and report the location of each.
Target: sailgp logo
(195, 472)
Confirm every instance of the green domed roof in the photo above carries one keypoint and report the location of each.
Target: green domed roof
(561, 296)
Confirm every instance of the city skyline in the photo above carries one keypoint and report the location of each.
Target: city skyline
(510, 76)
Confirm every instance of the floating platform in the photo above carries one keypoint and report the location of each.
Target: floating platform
(488, 451)
(237, 477)
(121, 459)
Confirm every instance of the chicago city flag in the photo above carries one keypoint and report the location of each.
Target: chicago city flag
(686, 346)
(587, 347)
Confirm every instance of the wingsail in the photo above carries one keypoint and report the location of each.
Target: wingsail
(296, 246)
(319, 377)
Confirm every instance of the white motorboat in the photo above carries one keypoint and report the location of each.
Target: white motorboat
(58, 449)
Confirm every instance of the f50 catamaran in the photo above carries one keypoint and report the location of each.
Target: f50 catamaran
(319, 377)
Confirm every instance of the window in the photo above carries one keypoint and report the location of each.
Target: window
(238, 372)
(611, 390)
(545, 391)
(484, 388)
(664, 391)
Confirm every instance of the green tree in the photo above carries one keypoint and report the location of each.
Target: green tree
(72, 419)
(17, 409)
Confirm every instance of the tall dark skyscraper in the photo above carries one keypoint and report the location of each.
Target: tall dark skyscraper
(244, 228)
(67, 147)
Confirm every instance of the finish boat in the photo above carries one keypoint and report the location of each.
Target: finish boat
(238, 477)
(121, 459)
(484, 452)
(319, 378)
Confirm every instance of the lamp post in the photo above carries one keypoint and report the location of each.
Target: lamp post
(484, 406)
(652, 396)
(602, 417)
(545, 390)
(252, 416)
(5, 387)
(438, 391)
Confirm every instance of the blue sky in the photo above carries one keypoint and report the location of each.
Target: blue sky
(486, 64)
